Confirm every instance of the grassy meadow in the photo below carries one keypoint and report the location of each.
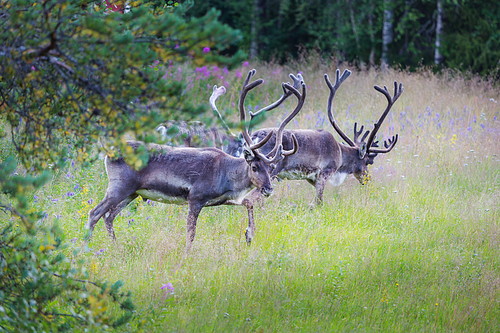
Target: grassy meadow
(417, 249)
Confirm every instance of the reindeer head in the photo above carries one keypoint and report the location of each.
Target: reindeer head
(365, 151)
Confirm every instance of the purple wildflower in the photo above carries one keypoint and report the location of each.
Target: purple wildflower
(168, 287)
(206, 49)
(74, 239)
(245, 64)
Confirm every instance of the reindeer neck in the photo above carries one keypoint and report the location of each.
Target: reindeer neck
(350, 159)
(239, 174)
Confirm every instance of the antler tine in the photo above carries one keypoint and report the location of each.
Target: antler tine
(286, 93)
(333, 90)
(215, 94)
(241, 105)
(357, 133)
(389, 144)
(279, 134)
(390, 103)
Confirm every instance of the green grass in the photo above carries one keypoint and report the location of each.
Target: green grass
(417, 249)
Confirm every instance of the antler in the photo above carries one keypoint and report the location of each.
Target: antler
(215, 94)
(241, 105)
(388, 144)
(357, 133)
(277, 151)
(279, 135)
(297, 81)
(390, 103)
(333, 90)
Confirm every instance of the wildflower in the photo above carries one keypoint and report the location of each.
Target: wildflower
(206, 49)
(238, 74)
(35, 198)
(245, 64)
(32, 68)
(168, 287)
(74, 239)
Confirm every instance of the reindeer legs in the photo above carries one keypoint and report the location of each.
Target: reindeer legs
(111, 215)
(319, 185)
(194, 210)
(248, 202)
(115, 196)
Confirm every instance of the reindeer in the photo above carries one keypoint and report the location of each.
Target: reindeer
(323, 158)
(198, 177)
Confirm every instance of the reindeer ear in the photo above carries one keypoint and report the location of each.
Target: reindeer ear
(249, 157)
(362, 150)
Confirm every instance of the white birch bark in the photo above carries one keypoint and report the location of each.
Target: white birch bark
(438, 57)
(387, 31)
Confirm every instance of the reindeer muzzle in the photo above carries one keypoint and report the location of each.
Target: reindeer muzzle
(266, 191)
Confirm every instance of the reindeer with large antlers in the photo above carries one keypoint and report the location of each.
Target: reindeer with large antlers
(323, 158)
(198, 177)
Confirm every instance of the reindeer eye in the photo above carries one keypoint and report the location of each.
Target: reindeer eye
(254, 168)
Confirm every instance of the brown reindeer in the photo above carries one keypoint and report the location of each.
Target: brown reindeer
(197, 177)
(323, 158)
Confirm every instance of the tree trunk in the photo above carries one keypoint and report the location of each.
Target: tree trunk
(371, 58)
(387, 35)
(438, 57)
(353, 25)
(338, 26)
(253, 30)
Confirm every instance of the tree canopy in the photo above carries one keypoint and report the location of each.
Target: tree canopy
(75, 73)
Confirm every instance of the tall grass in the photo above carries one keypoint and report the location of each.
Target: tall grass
(416, 249)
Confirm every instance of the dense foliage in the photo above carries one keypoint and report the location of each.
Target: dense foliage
(41, 289)
(351, 30)
(76, 77)
(75, 73)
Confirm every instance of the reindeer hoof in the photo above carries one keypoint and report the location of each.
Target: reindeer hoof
(248, 236)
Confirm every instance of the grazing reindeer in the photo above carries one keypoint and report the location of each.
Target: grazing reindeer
(323, 158)
(197, 177)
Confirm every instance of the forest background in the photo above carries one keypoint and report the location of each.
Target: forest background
(463, 34)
